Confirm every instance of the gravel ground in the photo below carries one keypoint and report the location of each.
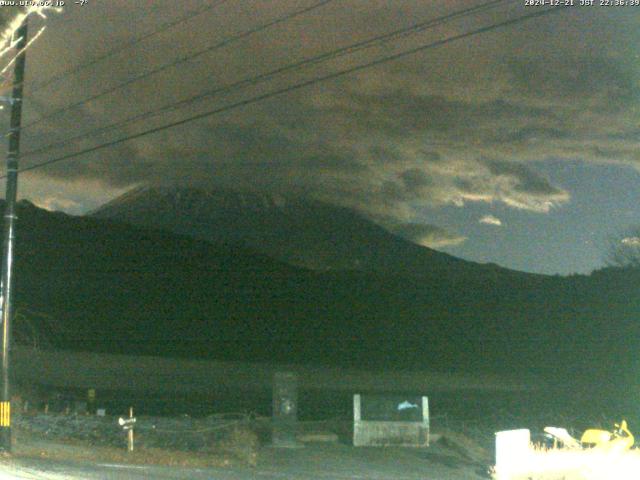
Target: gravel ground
(75, 444)
(182, 434)
(314, 462)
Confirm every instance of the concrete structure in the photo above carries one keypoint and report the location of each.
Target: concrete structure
(383, 420)
(285, 410)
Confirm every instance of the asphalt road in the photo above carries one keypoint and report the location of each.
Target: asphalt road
(321, 462)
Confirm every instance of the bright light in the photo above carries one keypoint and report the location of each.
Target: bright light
(7, 38)
(516, 458)
(591, 464)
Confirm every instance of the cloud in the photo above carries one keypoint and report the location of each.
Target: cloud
(427, 235)
(519, 187)
(631, 241)
(491, 220)
(79, 195)
(462, 123)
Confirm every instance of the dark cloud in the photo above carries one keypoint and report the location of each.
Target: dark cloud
(589, 80)
(457, 124)
(524, 179)
(415, 180)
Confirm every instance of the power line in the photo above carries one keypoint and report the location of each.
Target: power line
(349, 49)
(125, 46)
(294, 87)
(179, 61)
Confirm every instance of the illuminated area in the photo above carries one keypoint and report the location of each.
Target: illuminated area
(8, 40)
(572, 465)
(599, 455)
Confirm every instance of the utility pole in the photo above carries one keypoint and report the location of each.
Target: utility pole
(9, 235)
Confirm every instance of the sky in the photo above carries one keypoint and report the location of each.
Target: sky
(517, 146)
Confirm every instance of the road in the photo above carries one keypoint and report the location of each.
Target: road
(321, 462)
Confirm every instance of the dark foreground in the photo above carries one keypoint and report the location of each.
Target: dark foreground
(317, 461)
